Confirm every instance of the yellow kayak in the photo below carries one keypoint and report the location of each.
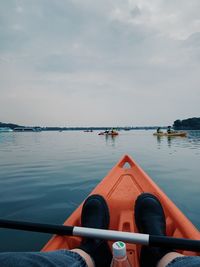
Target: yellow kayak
(182, 134)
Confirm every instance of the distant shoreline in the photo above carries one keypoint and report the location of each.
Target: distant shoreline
(187, 124)
(53, 128)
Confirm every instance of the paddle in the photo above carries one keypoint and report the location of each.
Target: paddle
(134, 238)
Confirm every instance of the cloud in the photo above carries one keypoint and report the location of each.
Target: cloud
(111, 57)
(165, 17)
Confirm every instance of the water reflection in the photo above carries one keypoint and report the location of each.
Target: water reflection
(158, 139)
(6, 137)
(169, 141)
(194, 137)
(161, 139)
(192, 140)
(45, 176)
(111, 140)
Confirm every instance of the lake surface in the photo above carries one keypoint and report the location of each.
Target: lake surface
(44, 176)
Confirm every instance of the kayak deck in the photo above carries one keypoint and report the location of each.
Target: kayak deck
(120, 188)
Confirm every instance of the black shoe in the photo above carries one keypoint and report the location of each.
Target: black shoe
(95, 214)
(150, 219)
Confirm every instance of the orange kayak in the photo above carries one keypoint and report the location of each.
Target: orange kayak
(109, 133)
(120, 188)
(113, 134)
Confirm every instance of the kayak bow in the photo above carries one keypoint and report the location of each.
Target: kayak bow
(120, 188)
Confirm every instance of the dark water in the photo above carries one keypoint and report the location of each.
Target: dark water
(45, 176)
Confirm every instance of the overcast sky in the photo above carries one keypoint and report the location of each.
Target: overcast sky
(99, 62)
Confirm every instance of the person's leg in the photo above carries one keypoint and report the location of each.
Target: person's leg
(89, 261)
(174, 259)
(95, 214)
(168, 258)
(150, 219)
(91, 252)
(57, 258)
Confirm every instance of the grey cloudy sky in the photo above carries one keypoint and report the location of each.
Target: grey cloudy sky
(91, 62)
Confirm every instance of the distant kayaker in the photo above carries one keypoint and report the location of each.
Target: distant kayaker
(149, 218)
(169, 129)
(159, 130)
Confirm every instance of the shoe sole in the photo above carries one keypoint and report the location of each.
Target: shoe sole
(137, 207)
(105, 208)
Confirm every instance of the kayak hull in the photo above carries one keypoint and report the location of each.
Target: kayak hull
(182, 134)
(112, 134)
(120, 188)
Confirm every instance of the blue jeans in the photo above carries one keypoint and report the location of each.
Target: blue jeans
(67, 258)
(58, 258)
(185, 262)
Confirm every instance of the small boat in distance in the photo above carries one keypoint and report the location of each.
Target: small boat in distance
(5, 129)
(27, 129)
(181, 134)
(88, 131)
(111, 132)
(127, 128)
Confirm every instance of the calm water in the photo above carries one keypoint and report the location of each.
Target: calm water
(45, 176)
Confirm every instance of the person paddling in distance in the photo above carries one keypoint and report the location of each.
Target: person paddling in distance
(169, 130)
(159, 130)
(149, 218)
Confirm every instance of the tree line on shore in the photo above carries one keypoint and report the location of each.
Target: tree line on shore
(187, 124)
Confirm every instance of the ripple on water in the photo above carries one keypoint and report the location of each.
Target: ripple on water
(45, 176)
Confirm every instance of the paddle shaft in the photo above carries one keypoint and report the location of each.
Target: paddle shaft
(134, 238)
